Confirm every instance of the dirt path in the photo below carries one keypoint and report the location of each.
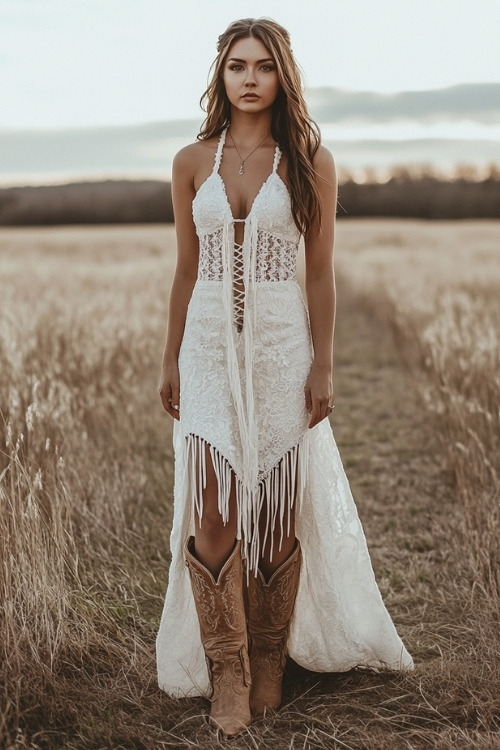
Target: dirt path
(388, 449)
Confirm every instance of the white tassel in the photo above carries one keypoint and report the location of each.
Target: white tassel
(274, 495)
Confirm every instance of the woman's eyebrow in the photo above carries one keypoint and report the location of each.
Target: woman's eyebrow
(238, 59)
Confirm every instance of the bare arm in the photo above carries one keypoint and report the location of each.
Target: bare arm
(320, 291)
(183, 192)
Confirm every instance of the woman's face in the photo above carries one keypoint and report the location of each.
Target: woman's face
(250, 76)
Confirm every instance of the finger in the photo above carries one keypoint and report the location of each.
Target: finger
(174, 403)
(321, 409)
(173, 410)
(315, 415)
(170, 403)
(175, 396)
(165, 396)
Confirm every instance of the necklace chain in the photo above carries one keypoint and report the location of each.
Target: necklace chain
(241, 170)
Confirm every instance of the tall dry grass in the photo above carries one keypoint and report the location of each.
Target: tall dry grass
(86, 473)
(80, 334)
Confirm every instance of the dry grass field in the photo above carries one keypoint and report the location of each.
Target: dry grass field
(86, 479)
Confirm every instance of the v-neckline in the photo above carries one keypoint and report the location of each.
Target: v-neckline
(274, 171)
(223, 184)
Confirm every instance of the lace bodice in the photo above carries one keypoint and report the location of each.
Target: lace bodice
(276, 237)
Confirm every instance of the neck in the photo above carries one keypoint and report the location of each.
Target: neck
(247, 130)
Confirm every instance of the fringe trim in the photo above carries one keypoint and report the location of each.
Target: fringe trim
(284, 484)
(276, 494)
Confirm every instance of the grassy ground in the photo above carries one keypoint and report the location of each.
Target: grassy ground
(86, 476)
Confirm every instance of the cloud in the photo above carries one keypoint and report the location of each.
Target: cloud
(150, 147)
(477, 102)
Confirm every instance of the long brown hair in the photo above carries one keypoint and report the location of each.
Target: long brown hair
(291, 126)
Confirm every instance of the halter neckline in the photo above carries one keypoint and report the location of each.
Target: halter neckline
(215, 172)
(220, 149)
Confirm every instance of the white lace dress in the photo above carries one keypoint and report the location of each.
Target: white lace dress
(244, 359)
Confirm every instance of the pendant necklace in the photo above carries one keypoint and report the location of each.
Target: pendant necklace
(241, 170)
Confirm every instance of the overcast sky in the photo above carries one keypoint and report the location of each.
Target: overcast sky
(94, 62)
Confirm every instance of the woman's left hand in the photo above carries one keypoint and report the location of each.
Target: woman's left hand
(318, 393)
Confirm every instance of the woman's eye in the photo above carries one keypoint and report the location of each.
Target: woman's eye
(236, 67)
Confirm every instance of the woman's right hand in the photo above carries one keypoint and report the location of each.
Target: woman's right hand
(169, 390)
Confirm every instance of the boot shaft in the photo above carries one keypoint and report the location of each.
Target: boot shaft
(223, 630)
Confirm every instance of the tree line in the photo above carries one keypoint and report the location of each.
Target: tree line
(404, 194)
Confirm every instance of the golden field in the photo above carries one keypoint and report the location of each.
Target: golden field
(86, 480)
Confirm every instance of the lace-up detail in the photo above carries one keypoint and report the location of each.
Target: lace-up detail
(277, 236)
(238, 287)
(274, 254)
(276, 258)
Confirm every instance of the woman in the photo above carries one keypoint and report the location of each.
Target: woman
(263, 515)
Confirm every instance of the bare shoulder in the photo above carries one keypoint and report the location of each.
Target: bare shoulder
(186, 158)
(195, 159)
(192, 155)
(324, 164)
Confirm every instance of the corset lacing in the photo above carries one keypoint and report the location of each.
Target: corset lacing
(238, 285)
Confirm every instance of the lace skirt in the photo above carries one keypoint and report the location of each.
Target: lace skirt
(248, 406)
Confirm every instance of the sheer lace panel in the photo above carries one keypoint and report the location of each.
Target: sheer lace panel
(210, 262)
(276, 258)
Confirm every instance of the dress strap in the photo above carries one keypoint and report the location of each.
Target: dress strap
(277, 157)
(218, 153)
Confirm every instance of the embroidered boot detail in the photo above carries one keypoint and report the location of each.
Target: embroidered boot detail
(270, 607)
(221, 614)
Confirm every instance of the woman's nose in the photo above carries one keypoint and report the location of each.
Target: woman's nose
(250, 77)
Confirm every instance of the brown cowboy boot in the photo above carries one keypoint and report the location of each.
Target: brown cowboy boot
(221, 614)
(270, 607)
